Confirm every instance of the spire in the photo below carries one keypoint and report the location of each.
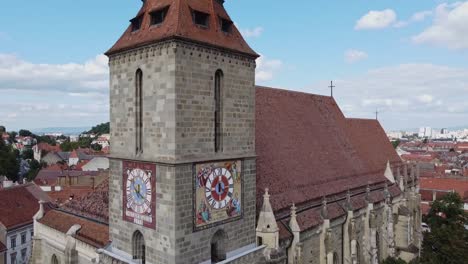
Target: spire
(293, 222)
(386, 192)
(348, 204)
(266, 219)
(324, 211)
(368, 191)
(198, 21)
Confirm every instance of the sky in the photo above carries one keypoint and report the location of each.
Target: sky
(408, 60)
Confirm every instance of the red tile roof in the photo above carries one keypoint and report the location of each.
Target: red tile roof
(92, 232)
(460, 185)
(94, 204)
(23, 200)
(307, 149)
(179, 24)
(48, 148)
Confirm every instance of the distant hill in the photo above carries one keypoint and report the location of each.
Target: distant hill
(68, 131)
(100, 129)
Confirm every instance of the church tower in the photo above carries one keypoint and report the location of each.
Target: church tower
(182, 115)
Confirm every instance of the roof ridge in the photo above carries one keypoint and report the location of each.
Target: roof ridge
(292, 91)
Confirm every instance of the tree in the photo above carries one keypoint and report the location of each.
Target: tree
(69, 146)
(27, 154)
(100, 129)
(25, 133)
(46, 139)
(2, 129)
(9, 163)
(395, 143)
(34, 168)
(96, 147)
(447, 243)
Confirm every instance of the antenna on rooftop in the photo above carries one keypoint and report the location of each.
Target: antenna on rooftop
(377, 114)
(331, 88)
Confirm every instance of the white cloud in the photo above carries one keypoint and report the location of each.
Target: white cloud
(449, 27)
(252, 33)
(353, 55)
(376, 20)
(266, 68)
(18, 74)
(416, 17)
(407, 95)
(425, 98)
(421, 16)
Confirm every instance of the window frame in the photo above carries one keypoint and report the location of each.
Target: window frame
(23, 235)
(13, 241)
(163, 11)
(223, 22)
(218, 111)
(137, 21)
(196, 13)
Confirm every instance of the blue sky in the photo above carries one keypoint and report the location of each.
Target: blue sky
(408, 59)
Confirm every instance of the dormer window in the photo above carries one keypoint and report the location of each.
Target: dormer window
(200, 18)
(136, 23)
(226, 25)
(158, 16)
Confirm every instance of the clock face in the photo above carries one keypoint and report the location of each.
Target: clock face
(139, 197)
(139, 192)
(219, 188)
(217, 193)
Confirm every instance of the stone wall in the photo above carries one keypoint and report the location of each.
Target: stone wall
(178, 102)
(178, 130)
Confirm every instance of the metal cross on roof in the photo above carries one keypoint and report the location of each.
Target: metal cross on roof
(377, 114)
(331, 88)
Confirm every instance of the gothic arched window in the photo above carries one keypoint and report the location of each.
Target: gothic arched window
(218, 246)
(54, 260)
(377, 245)
(218, 123)
(139, 111)
(138, 247)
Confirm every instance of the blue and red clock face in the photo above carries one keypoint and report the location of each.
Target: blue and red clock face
(139, 198)
(219, 188)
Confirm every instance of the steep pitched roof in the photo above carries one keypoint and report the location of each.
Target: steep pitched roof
(372, 144)
(19, 204)
(179, 23)
(307, 149)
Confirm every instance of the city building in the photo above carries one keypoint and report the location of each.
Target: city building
(206, 167)
(18, 204)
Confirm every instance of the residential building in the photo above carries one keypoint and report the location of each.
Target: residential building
(18, 204)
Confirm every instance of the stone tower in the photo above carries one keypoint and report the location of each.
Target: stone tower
(182, 113)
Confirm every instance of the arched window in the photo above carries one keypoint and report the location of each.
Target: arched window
(54, 260)
(218, 246)
(139, 111)
(358, 253)
(218, 122)
(138, 247)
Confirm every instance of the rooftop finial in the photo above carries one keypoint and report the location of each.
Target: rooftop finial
(324, 208)
(331, 88)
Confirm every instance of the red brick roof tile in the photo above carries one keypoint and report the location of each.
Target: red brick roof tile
(179, 24)
(91, 232)
(460, 185)
(23, 200)
(307, 149)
